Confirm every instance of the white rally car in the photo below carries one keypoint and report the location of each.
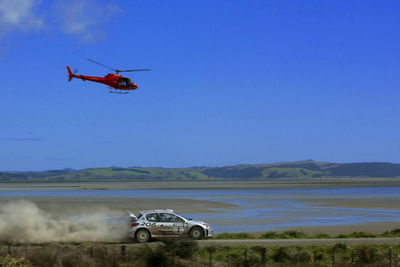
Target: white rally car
(150, 224)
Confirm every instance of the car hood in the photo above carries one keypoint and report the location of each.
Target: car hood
(196, 222)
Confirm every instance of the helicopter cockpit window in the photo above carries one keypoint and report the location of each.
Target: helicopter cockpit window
(124, 81)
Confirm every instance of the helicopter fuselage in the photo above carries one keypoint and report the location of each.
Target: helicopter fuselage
(112, 80)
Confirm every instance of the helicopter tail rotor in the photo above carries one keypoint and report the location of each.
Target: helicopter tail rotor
(70, 74)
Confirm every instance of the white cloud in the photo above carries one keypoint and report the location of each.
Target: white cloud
(19, 15)
(85, 18)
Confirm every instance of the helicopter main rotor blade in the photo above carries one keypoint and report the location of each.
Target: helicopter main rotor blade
(116, 70)
(133, 70)
(105, 66)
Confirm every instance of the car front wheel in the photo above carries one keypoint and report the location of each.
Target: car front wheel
(142, 236)
(196, 233)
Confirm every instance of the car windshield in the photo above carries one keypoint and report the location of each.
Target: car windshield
(183, 217)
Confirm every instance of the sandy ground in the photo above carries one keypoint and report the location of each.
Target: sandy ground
(392, 203)
(226, 184)
(73, 205)
(81, 205)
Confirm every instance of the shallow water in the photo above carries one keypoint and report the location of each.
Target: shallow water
(258, 209)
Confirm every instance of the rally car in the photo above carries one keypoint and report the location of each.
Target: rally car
(165, 223)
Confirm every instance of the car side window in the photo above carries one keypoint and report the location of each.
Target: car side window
(178, 219)
(152, 217)
(167, 217)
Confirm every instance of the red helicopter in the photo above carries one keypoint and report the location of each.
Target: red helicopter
(115, 81)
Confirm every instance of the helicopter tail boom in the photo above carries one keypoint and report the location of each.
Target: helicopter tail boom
(70, 74)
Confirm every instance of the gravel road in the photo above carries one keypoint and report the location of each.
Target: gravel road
(300, 242)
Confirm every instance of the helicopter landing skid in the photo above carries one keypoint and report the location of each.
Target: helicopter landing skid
(118, 92)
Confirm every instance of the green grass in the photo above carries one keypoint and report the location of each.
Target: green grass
(392, 233)
(234, 236)
(358, 235)
(108, 174)
(293, 234)
(292, 173)
(187, 253)
(323, 255)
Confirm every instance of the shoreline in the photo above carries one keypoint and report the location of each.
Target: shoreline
(221, 209)
(278, 183)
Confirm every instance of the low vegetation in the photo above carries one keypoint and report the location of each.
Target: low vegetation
(187, 253)
(293, 234)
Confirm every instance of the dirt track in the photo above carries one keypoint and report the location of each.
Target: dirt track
(300, 242)
(282, 242)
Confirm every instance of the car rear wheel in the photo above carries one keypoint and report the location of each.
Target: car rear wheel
(142, 236)
(196, 233)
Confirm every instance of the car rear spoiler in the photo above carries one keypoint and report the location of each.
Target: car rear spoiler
(131, 214)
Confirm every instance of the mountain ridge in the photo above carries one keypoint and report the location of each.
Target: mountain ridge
(294, 169)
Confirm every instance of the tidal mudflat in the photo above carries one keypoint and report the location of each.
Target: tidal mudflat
(330, 206)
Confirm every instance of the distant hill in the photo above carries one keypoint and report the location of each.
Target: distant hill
(297, 169)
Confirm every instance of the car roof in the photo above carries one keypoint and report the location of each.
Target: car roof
(156, 211)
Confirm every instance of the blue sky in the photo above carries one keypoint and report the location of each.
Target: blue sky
(232, 82)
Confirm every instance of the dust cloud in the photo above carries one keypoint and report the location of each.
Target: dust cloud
(24, 222)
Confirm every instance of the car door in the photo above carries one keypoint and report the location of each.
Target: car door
(179, 226)
(151, 223)
(168, 224)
